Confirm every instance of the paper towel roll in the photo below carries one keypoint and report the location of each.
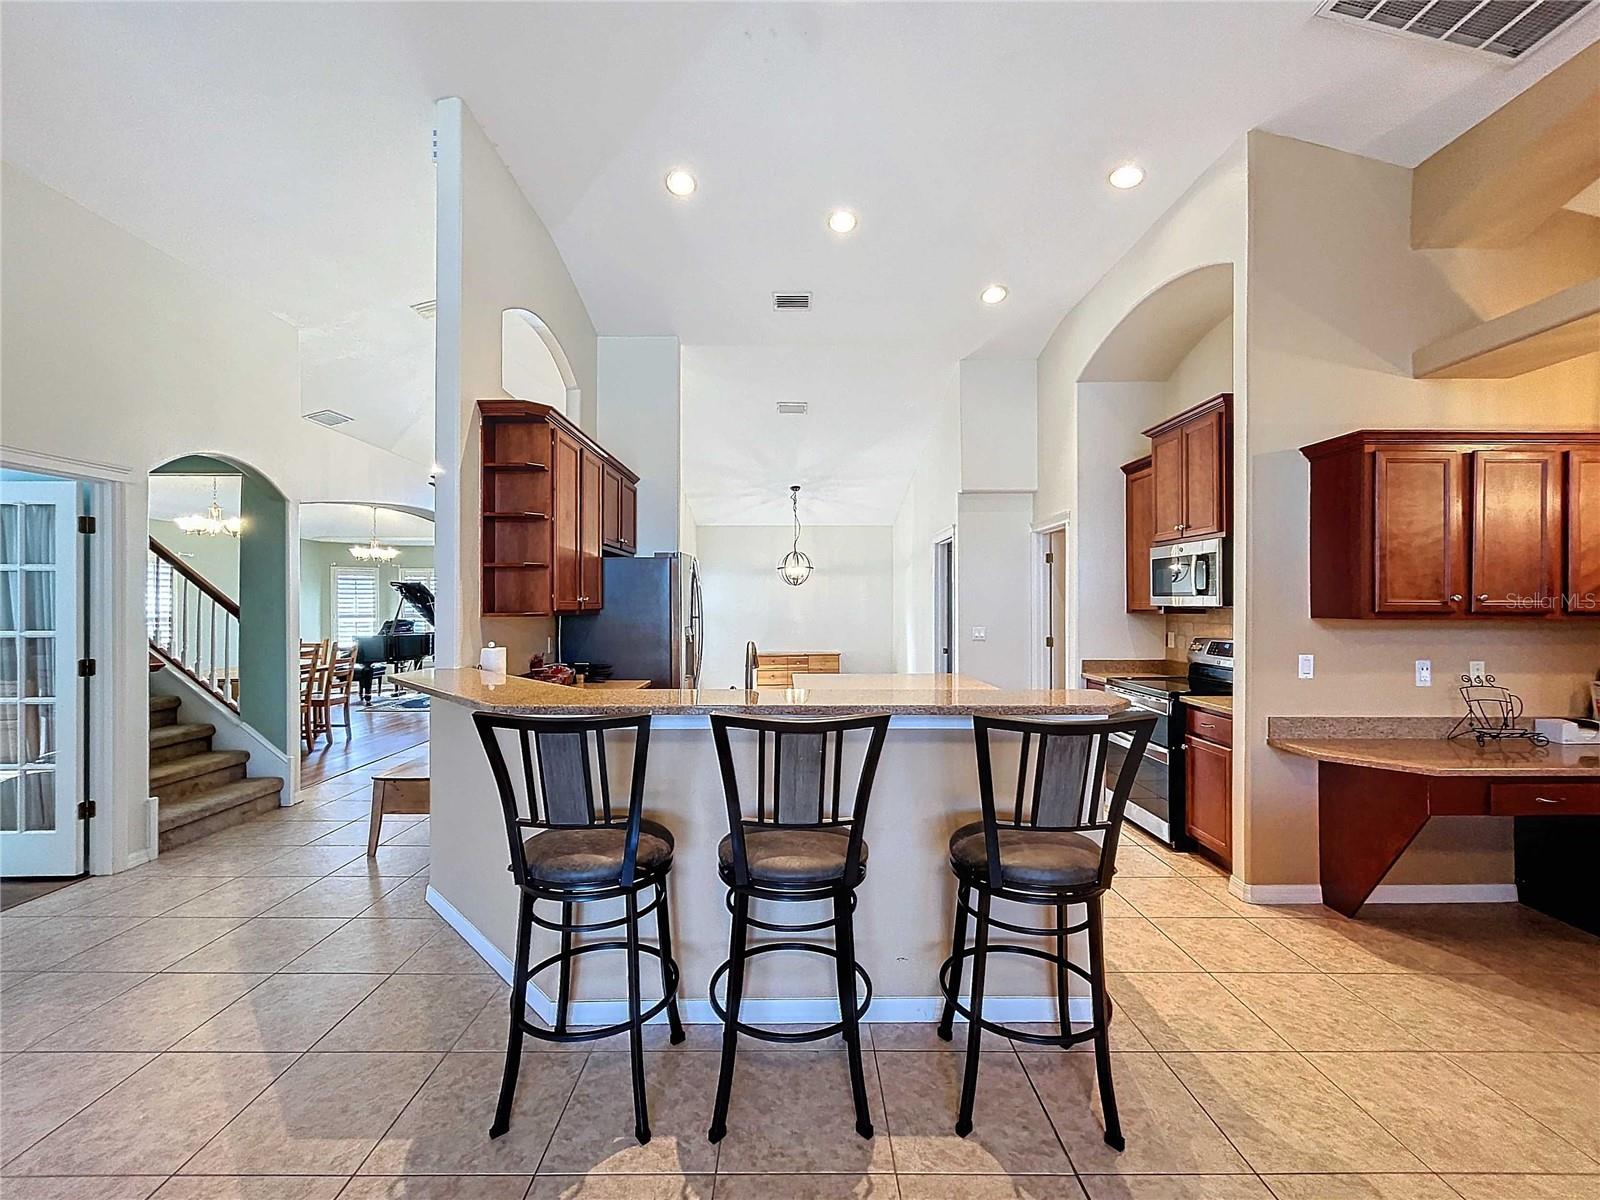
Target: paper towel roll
(492, 658)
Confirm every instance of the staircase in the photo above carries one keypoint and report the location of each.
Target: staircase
(200, 790)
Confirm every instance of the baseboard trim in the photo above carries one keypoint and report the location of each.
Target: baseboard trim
(820, 1010)
(1389, 893)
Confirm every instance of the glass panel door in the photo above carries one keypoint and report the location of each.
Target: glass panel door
(40, 757)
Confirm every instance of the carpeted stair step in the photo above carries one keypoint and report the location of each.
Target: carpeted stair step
(204, 813)
(196, 773)
(163, 711)
(183, 740)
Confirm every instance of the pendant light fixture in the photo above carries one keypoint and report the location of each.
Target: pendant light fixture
(211, 523)
(374, 550)
(795, 568)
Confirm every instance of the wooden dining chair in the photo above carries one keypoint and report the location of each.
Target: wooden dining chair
(338, 680)
(314, 662)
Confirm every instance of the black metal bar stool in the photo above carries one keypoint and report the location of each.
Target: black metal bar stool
(1056, 846)
(805, 845)
(573, 849)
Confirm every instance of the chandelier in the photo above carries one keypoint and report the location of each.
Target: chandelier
(795, 568)
(211, 522)
(374, 550)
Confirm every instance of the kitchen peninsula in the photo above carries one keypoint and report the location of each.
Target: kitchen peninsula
(926, 786)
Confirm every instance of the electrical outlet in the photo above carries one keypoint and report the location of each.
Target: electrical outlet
(980, 633)
(1475, 668)
(1172, 641)
(1308, 664)
(1424, 672)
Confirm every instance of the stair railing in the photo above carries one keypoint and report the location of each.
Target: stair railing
(193, 625)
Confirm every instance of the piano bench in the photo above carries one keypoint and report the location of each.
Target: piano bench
(404, 792)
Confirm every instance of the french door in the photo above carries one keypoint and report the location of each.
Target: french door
(41, 758)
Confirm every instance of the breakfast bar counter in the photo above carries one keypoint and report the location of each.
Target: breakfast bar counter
(926, 787)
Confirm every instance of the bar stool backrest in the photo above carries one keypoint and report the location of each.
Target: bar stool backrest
(562, 777)
(1060, 785)
(800, 776)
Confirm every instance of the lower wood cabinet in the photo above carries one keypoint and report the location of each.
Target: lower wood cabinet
(1208, 784)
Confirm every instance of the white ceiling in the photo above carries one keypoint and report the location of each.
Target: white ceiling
(173, 496)
(285, 148)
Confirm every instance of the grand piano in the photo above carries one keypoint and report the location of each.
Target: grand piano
(398, 644)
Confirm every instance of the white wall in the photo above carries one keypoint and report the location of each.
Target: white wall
(494, 253)
(994, 586)
(640, 421)
(115, 359)
(847, 605)
(928, 510)
(999, 425)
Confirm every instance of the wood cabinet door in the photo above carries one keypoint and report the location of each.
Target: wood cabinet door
(1167, 486)
(566, 469)
(611, 508)
(1208, 782)
(590, 525)
(1205, 479)
(1516, 531)
(1138, 532)
(629, 523)
(1583, 531)
(1419, 545)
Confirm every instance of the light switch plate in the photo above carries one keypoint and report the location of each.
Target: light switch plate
(1475, 668)
(1424, 672)
(1308, 664)
(980, 633)
(1172, 641)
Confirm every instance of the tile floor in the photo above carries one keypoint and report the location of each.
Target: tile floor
(267, 1015)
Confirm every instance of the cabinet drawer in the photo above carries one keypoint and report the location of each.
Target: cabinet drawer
(1210, 726)
(773, 677)
(823, 664)
(1544, 799)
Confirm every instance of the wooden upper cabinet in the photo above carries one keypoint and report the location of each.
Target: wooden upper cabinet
(1419, 531)
(591, 521)
(1583, 531)
(1189, 456)
(1516, 531)
(628, 525)
(611, 507)
(566, 478)
(619, 510)
(1138, 532)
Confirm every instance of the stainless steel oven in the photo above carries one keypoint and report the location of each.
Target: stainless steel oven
(1150, 804)
(1189, 574)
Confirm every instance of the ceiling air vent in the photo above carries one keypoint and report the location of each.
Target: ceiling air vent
(328, 417)
(793, 408)
(1505, 29)
(783, 301)
(426, 309)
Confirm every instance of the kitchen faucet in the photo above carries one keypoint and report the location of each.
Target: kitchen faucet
(751, 658)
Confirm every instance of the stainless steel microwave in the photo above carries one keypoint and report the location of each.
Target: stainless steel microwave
(1189, 574)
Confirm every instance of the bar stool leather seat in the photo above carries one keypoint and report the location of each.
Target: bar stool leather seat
(593, 854)
(1029, 858)
(792, 857)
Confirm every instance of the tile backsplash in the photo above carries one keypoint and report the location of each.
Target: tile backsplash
(1202, 622)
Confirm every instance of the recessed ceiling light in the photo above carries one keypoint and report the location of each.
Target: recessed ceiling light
(1128, 175)
(680, 182)
(842, 220)
(993, 294)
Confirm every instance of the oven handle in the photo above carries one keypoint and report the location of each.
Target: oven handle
(1153, 752)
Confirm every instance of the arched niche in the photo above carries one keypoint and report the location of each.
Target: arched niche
(1157, 333)
(533, 366)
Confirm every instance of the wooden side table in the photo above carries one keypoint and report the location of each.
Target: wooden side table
(404, 792)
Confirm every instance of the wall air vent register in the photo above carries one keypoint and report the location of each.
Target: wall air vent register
(1503, 29)
(329, 417)
(785, 301)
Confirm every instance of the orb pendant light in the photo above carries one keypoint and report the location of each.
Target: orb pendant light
(795, 568)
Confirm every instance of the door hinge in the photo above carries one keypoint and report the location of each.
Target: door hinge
(1049, 643)
(86, 525)
(1048, 557)
(86, 809)
(86, 668)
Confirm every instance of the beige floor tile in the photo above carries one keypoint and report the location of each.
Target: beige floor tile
(38, 1092)
(1189, 1012)
(347, 809)
(1284, 1116)
(221, 863)
(402, 861)
(446, 953)
(1347, 946)
(437, 1187)
(245, 897)
(152, 945)
(413, 1012)
(1450, 1012)
(153, 1015)
(66, 899)
(1229, 945)
(287, 1012)
(47, 945)
(366, 946)
(445, 1128)
(987, 1187)
(1167, 1132)
(1136, 862)
(251, 1187)
(408, 899)
(642, 1187)
(40, 1004)
(1173, 896)
(148, 898)
(1010, 1136)
(351, 833)
(82, 1187)
(1316, 1012)
(414, 833)
(322, 1116)
(488, 1032)
(1125, 1037)
(793, 1113)
(333, 896)
(1175, 1187)
(920, 1035)
(1560, 1090)
(155, 1119)
(1137, 945)
(260, 944)
(1360, 1187)
(595, 1134)
(1217, 889)
(1523, 1187)
(289, 833)
(1565, 1006)
(1445, 1117)
(307, 860)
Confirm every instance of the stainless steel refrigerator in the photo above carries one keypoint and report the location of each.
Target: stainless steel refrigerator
(650, 627)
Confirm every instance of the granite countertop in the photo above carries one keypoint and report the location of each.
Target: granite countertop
(503, 693)
(1221, 705)
(1101, 669)
(1436, 756)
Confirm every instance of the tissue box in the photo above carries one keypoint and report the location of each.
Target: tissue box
(1568, 732)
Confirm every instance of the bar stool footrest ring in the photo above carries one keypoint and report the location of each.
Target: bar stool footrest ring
(1009, 1031)
(773, 1035)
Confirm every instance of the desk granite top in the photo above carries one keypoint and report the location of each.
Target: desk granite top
(1435, 756)
(513, 694)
